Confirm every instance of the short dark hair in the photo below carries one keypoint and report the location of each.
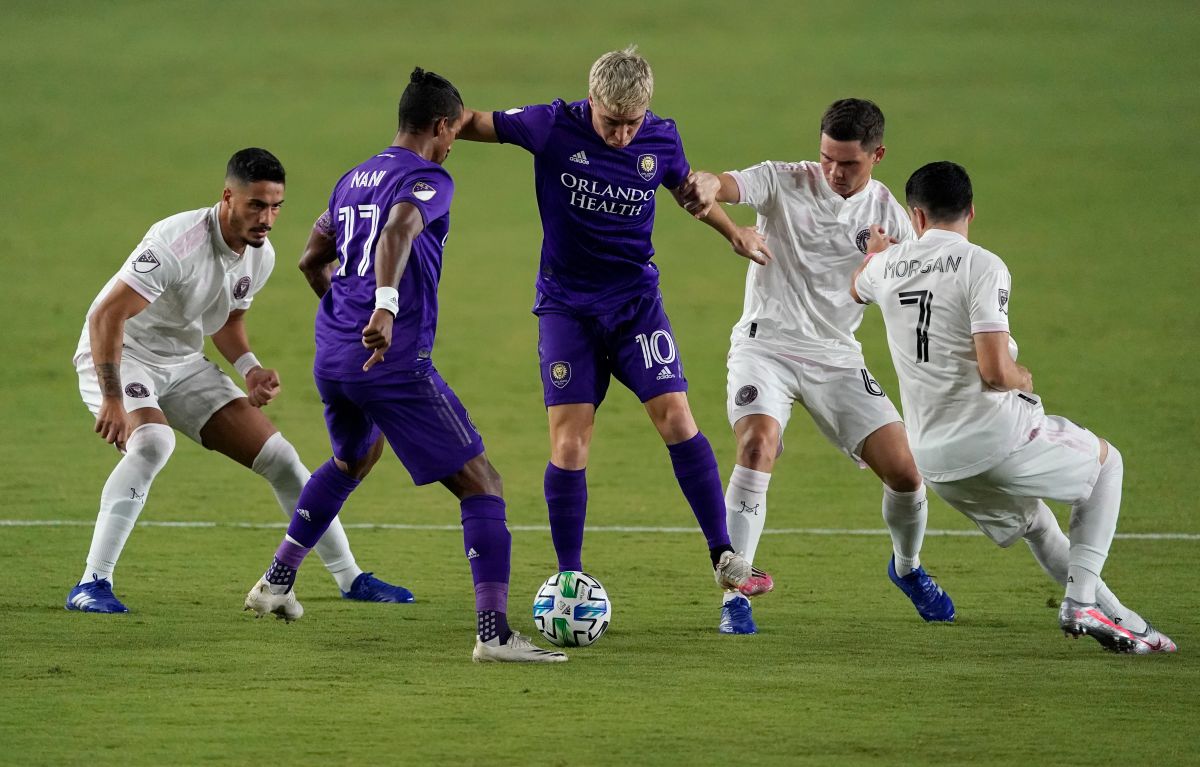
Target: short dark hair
(854, 120)
(254, 164)
(942, 190)
(427, 99)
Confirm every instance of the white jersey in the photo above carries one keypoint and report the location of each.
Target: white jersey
(935, 293)
(799, 304)
(192, 280)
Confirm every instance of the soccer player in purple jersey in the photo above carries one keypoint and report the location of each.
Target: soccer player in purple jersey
(386, 226)
(598, 164)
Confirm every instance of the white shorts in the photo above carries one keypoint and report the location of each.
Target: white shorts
(846, 403)
(1060, 461)
(187, 394)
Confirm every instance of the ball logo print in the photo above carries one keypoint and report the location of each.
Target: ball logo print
(572, 609)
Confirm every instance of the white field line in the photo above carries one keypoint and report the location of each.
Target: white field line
(832, 531)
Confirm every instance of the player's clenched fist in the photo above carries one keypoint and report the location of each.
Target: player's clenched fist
(262, 386)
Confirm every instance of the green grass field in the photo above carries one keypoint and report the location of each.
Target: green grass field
(1076, 122)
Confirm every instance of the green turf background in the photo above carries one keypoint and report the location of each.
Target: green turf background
(1077, 121)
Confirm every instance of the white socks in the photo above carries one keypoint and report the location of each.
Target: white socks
(280, 465)
(1051, 548)
(1093, 524)
(746, 511)
(124, 494)
(906, 515)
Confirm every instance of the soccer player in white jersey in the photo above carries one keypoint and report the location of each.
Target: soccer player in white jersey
(142, 371)
(979, 433)
(795, 340)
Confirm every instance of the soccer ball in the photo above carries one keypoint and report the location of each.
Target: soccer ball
(572, 609)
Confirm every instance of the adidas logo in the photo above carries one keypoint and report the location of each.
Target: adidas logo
(472, 553)
(82, 600)
(580, 158)
(304, 513)
(665, 373)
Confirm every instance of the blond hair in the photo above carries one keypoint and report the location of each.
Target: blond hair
(621, 81)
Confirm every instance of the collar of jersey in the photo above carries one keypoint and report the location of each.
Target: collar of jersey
(941, 234)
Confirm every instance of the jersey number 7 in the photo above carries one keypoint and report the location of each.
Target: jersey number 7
(923, 300)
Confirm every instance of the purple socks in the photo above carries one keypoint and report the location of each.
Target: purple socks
(320, 501)
(488, 546)
(566, 500)
(696, 470)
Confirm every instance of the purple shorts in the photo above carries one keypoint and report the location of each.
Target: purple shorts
(578, 353)
(422, 419)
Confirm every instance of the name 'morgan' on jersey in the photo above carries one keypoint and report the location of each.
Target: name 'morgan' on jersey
(596, 201)
(359, 208)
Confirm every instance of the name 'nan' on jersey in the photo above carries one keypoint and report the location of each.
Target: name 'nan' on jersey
(935, 293)
(192, 280)
(358, 209)
(596, 202)
(799, 304)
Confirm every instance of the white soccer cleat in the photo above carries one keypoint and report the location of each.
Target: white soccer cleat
(263, 602)
(734, 573)
(1078, 619)
(1151, 641)
(518, 649)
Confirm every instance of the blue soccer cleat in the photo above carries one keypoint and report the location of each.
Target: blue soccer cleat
(368, 588)
(736, 617)
(95, 596)
(932, 603)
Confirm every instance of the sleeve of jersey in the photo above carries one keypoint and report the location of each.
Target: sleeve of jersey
(527, 127)
(756, 185)
(430, 190)
(864, 283)
(902, 225)
(989, 299)
(151, 269)
(678, 168)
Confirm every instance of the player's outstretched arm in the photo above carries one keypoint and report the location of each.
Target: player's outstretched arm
(701, 189)
(262, 384)
(997, 368)
(106, 329)
(391, 257)
(320, 252)
(746, 241)
(478, 126)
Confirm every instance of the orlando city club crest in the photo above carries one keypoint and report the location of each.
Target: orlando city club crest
(560, 374)
(647, 166)
(861, 239)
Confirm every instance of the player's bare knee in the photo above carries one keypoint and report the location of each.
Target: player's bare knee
(477, 477)
(757, 450)
(569, 451)
(904, 479)
(359, 468)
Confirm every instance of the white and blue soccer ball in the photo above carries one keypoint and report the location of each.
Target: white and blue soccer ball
(572, 609)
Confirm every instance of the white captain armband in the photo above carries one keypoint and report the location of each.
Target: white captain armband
(388, 299)
(246, 363)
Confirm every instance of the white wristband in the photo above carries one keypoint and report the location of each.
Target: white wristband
(388, 299)
(246, 363)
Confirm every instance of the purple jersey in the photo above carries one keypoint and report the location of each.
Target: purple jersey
(596, 202)
(358, 210)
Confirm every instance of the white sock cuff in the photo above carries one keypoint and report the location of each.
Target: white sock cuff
(909, 497)
(152, 441)
(749, 479)
(277, 453)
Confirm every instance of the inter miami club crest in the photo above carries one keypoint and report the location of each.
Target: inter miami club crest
(423, 192)
(745, 395)
(1003, 300)
(647, 166)
(861, 239)
(560, 374)
(241, 288)
(136, 390)
(145, 262)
